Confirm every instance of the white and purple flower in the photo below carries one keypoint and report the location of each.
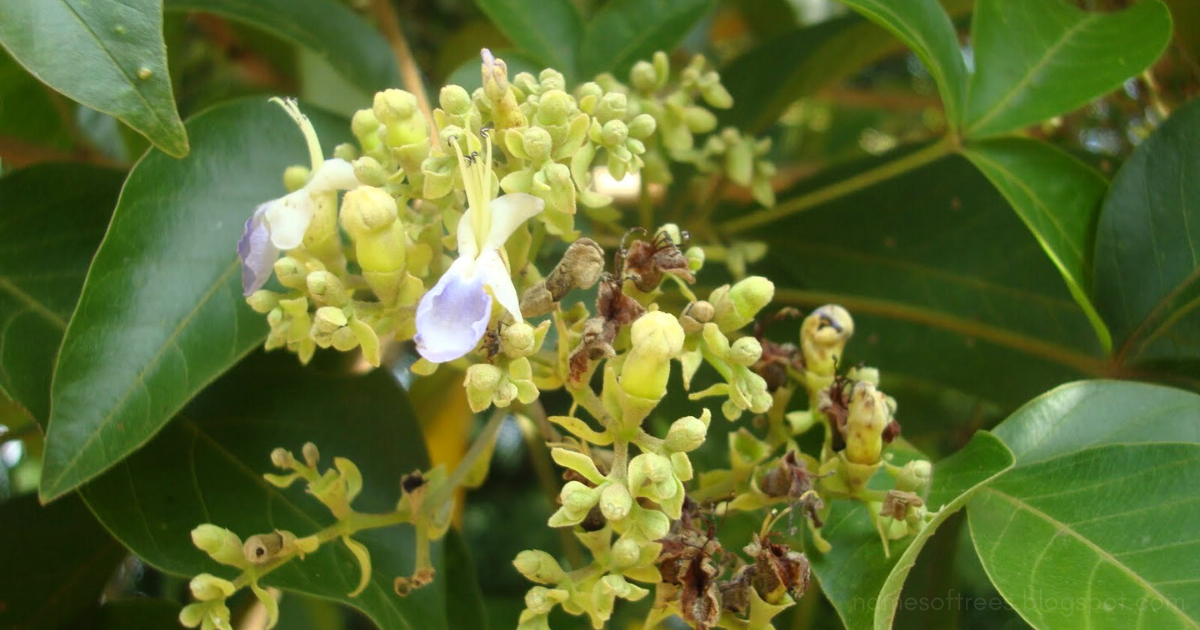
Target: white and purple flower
(280, 224)
(453, 316)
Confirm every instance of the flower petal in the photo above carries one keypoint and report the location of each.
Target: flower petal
(288, 218)
(334, 174)
(454, 314)
(257, 252)
(496, 276)
(508, 213)
(468, 246)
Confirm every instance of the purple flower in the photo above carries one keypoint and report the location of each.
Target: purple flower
(453, 316)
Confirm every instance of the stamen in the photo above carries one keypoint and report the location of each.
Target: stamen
(306, 128)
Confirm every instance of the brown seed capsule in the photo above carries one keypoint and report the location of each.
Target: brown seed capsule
(646, 262)
(896, 504)
(735, 592)
(580, 267)
(779, 570)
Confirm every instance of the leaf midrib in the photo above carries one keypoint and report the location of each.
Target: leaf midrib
(1061, 527)
(33, 304)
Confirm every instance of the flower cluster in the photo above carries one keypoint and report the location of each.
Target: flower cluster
(430, 230)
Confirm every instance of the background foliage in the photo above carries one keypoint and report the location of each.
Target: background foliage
(1005, 194)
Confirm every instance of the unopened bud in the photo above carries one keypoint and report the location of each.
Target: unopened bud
(625, 552)
(295, 177)
(206, 587)
(743, 302)
(368, 209)
(282, 458)
(291, 273)
(481, 381)
(394, 105)
(615, 501)
(329, 319)
(326, 288)
(745, 351)
(643, 77)
(312, 456)
(537, 143)
(263, 301)
(539, 566)
(518, 340)
(688, 433)
(642, 126)
(220, 544)
(369, 171)
(454, 100)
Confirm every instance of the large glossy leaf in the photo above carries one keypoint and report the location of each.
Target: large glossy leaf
(924, 26)
(864, 584)
(626, 31)
(57, 560)
(54, 218)
(1094, 413)
(1148, 246)
(161, 314)
(117, 62)
(549, 30)
(943, 280)
(1035, 59)
(1058, 197)
(326, 27)
(207, 466)
(1098, 508)
(1099, 538)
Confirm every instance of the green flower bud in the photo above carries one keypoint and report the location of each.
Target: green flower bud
(206, 587)
(482, 381)
(688, 433)
(554, 107)
(454, 100)
(539, 566)
(615, 501)
(642, 126)
(589, 94)
(368, 209)
(369, 171)
(364, 124)
(717, 96)
(220, 544)
(868, 417)
(656, 338)
(699, 120)
(329, 319)
(716, 340)
(578, 498)
(611, 107)
(915, 476)
(344, 340)
(505, 110)
(394, 106)
(291, 273)
(540, 600)
(743, 302)
(614, 133)
(345, 151)
(643, 77)
(518, 340)
(295, 177)
(653, 524)
(537, 144)
(263, 301)
(626, 552)
(326, 289)
(823, 337)
(745, 351)
(552, 79)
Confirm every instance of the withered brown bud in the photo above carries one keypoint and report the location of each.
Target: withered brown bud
(896, 504)
(410, 482)
(580, 267)
(614, 310)
(594, 521)
(891, 432)
(779, 570)
(834, 402)
(645, 262)
(735, 592)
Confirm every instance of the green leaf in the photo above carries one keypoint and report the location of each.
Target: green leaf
(28, 111)
(57, 561)
(623, 32)
(856, 571)
(943, 280)
(325, 27)
(117, 62)
(55, 216)
(207, 466)
(162, 314)
(549, 30)
(1035, 59)
(1094, 413)
(1058, 197)
(924, 26)
(1147, 279)
(1099, 538)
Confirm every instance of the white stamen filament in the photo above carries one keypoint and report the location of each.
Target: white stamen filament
(478, 184)
(310, 134)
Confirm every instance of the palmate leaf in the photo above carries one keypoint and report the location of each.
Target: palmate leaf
(161, 314)
(1092, 527)
(207, 466)
(118, 63)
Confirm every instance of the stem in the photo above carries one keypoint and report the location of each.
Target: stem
(645, 209)
(478, 448)
(410, 74)
(538, 455)
(586, 398)
(838, 189)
